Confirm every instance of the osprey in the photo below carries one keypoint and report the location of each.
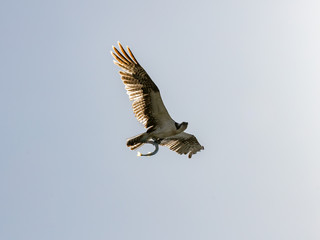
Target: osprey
(150, 111)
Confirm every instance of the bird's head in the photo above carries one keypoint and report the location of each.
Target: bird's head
(183, 126)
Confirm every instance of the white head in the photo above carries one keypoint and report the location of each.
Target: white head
(182, 126)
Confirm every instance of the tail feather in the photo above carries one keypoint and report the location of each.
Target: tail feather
(136, 146)
(136, 141)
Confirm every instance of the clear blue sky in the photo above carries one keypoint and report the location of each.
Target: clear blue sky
(244, 74)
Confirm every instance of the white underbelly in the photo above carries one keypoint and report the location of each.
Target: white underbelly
(164, 132)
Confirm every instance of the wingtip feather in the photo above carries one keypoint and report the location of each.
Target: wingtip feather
(131, 54)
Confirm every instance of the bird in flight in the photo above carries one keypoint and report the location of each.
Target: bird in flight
(150, 111)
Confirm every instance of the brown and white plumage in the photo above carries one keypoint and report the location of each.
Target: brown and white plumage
(182, 143)
(149, 109)
(141, 89)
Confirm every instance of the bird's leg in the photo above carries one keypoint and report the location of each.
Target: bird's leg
(155, 143)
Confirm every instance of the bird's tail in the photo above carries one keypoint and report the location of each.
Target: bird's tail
(137, 141)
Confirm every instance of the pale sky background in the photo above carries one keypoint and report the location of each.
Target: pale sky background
(244, 74)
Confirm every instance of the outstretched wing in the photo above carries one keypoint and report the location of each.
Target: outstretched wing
(183, 143)
(147, 103)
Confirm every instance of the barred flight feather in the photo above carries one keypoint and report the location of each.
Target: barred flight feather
(139, 86)
(183, 143)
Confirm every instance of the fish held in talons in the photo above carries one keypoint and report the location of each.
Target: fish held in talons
(154, 143)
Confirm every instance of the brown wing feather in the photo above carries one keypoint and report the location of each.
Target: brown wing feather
(147, 103)
(183, 143)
